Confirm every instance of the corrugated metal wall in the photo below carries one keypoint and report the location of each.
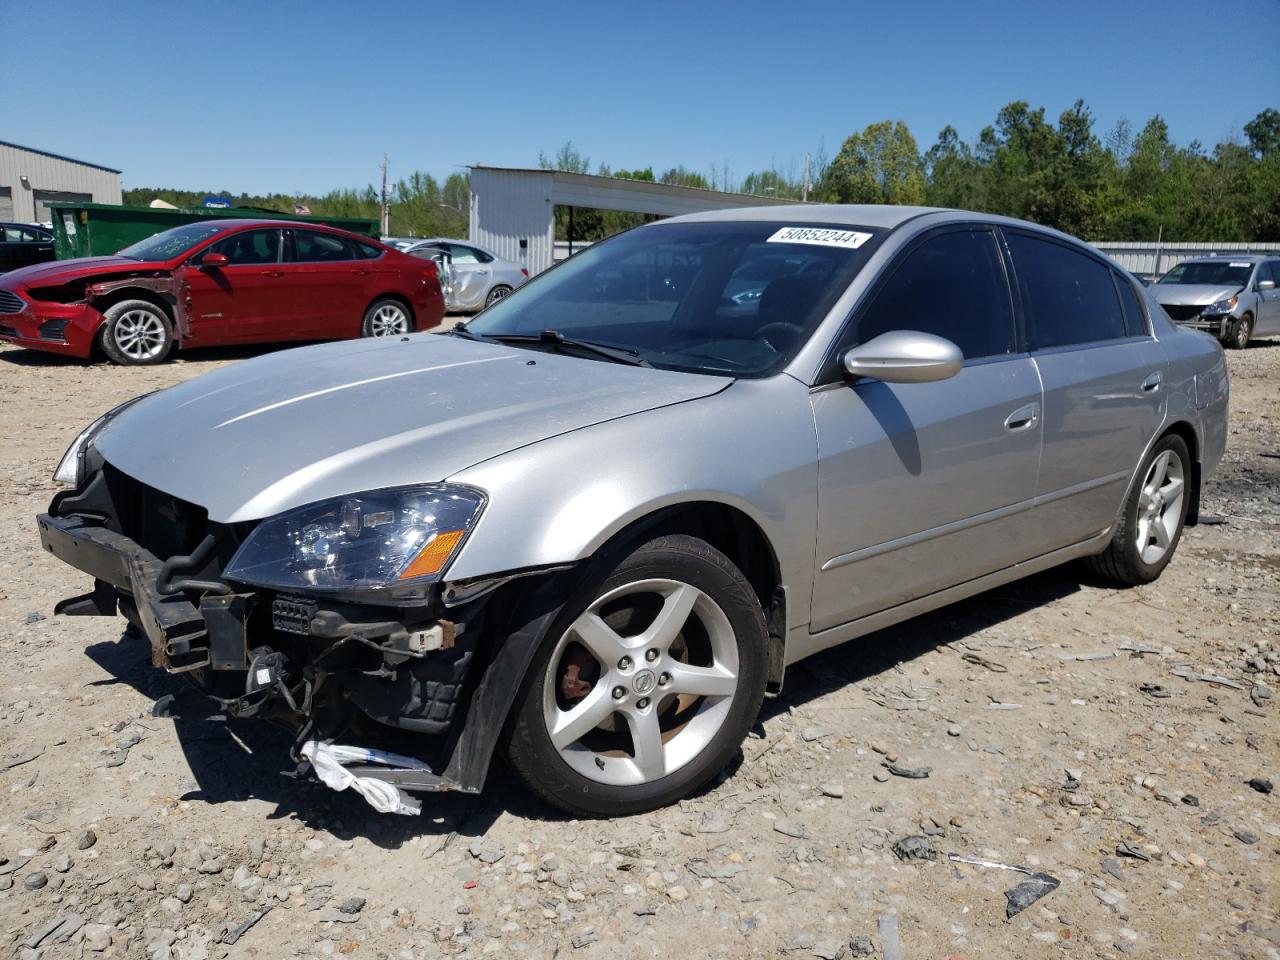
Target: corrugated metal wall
(1141, 258)
(49, 174)
(513, 215)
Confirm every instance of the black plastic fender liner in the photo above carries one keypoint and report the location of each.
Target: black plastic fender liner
(517, 632)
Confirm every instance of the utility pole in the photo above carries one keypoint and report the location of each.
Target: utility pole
(804, 190)
(386, 206)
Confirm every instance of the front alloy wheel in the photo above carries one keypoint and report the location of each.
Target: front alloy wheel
(635, 692)
(644, 689)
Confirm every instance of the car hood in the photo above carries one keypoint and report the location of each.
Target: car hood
(62, 271)
(265, 435)
(1192, 294)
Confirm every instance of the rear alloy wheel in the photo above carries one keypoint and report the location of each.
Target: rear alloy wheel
(497, 293)
(136, 332)
(1239, 332)
(1154, 514)
(643, 691)
(386, 318)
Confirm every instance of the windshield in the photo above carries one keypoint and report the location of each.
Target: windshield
(171, 243)
(734, 298)
(1217, 273)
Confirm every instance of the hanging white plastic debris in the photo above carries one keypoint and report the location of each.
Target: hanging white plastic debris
(328, 760)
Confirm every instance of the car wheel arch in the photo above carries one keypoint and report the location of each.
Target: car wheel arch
(1187, 432)
(105, 301)
(398, 298)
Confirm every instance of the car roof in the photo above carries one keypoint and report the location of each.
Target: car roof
(851, 214)
(1251, 257)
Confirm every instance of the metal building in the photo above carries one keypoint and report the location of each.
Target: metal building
(1156, 259)
(30, 178)
(513, 208)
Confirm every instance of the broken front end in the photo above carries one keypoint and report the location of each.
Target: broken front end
(330, 619)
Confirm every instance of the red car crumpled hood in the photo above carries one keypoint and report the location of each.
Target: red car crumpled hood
(63, 271)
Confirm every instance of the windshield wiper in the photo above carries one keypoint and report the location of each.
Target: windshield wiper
(459, 329)
(556, 339)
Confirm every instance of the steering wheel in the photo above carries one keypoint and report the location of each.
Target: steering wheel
(779, 335)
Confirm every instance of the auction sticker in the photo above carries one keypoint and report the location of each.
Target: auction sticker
(821, 237)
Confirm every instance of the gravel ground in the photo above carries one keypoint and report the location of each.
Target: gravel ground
(1105, 738)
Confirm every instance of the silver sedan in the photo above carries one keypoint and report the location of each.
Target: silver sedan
(592, 527)
(478, 277)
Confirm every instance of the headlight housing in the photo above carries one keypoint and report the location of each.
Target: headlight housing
(384, 546)
(1224, 306)
(70, 469)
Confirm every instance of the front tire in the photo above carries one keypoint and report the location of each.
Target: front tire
(645, 685)
(1239, 332)
(136, 333)
(1154, 514)
(386, 317)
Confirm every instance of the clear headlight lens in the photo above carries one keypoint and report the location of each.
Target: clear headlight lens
(1224, 306)
(381, 546)
(70, 469)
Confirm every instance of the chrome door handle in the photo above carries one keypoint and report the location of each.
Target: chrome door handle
(1023, 418)
(1152, 383)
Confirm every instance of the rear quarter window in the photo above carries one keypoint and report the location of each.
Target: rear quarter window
(1135, 319)
(1069, 297)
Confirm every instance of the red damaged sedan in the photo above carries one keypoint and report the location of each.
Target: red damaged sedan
(219, 282)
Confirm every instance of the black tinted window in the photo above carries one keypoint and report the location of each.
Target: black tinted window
(1069, 297)
(252, 246)
(1272, 268)
(1135, 321)
(310, 246)
(953, 286)
(366, 251)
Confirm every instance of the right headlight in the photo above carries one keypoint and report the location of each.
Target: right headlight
(70, 469)
(384, 546)
(1224, 306)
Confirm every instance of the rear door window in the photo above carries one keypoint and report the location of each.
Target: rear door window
(1135, 320)
(1069, 297)
(463, 254)
(953, 286)
(312, 246)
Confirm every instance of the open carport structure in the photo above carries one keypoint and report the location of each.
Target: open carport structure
(513, 209)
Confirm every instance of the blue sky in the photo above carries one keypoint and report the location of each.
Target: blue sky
(303, 97)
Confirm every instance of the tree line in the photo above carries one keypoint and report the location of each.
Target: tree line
(1124, 185)
(420, 205)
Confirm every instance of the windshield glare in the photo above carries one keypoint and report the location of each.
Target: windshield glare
(171, 243)
(716, 297)
(1221, 273)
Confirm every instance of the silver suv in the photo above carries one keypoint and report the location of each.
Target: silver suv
(1232, 298)
(592, 527)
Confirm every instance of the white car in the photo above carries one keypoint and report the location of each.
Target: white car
(480, 277)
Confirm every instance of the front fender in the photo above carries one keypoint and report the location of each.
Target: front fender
(751, 446)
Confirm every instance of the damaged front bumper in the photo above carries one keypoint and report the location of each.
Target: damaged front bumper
(409, 681)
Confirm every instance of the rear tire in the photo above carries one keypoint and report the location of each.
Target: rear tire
(650, 678)
(136, 333)
(387, 317)
(1239, 332)
(499, 292)
(1154, 513)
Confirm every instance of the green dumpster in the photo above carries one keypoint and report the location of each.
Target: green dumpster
(101, 229)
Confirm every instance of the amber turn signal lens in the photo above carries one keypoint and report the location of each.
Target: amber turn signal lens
(433, 556)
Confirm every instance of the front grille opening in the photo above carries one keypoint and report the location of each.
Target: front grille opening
(163, 524)
(11, 302)
(1182, 312)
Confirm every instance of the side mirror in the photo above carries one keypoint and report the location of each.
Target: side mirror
(904, 356)
(1266, 284)
(214, 261)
